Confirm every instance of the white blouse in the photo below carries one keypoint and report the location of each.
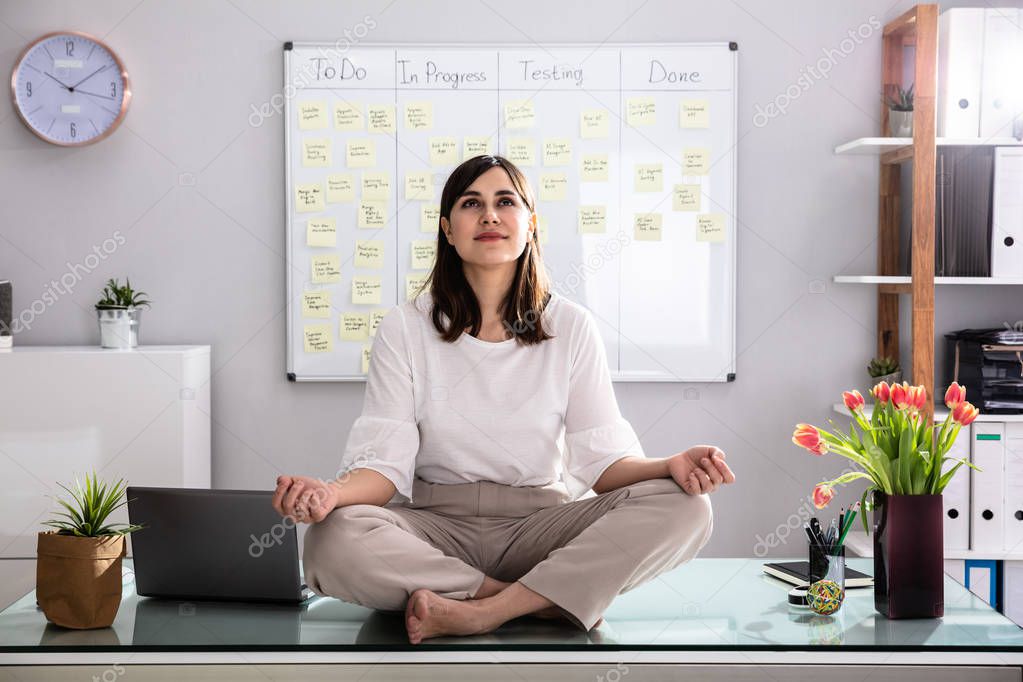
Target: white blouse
(496, 411)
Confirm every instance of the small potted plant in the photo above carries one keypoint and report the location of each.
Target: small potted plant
(884, 369)
(120, 313)
(900, 112)
(78, 566)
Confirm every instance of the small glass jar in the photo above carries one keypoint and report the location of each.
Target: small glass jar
(827, 578)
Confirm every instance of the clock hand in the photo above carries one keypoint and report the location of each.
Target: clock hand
(89, 76)
(94, 94)
(61, 84)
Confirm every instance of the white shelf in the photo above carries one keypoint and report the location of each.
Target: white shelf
(940, 412)
(905, 279)
(874, 146)
(861, 544)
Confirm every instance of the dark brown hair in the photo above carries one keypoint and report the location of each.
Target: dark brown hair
(451, 292)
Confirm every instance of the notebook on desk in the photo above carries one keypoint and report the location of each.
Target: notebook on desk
(798, 573)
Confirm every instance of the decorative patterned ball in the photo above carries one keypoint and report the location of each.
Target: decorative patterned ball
(825, 596)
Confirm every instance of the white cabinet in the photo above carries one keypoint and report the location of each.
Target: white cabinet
(142, 415)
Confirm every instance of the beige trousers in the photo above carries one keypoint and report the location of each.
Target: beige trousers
(579, 554)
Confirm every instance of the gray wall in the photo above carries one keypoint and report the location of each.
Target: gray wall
(197, 192)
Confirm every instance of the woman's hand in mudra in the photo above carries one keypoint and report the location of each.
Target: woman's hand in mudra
(700, 469)
(303, 498)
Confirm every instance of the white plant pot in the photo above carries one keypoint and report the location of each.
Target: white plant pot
(900, 123)
(119, 327)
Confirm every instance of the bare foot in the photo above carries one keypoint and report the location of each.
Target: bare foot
(427, 614)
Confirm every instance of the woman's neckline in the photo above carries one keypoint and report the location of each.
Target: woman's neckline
(494, 344)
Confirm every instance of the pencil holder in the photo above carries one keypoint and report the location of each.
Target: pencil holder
(827, 578)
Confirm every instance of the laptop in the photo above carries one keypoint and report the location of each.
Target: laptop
(228, 545)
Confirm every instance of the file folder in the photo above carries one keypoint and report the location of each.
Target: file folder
(956, 497)
(1013, 487)
(1003, 63)
(960, 64)
(1007, 213)
(987, 452)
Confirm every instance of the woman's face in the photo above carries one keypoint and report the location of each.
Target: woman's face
(489, 223)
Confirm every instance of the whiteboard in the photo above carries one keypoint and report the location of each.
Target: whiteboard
(630, 149)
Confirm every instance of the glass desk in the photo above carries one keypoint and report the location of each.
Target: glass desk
(710, 611)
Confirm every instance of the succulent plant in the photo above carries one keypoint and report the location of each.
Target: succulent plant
(880, 367)
(904, 102)
(117, 296)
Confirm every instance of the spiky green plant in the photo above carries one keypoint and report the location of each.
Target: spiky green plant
(904, 100)
(880, 367)
(122, 297)
(93, 504)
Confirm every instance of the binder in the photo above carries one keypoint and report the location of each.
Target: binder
(960, 64)
(1007, 213)
(962, 239)
(987, 487)
(956, 497)
(1000, 104)
(1013, 487)
(1012, 591)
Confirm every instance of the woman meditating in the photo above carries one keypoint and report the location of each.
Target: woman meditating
(449, 505)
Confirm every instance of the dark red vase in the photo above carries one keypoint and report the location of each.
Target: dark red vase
(909, 571)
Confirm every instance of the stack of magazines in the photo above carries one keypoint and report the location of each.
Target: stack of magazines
(989, 363)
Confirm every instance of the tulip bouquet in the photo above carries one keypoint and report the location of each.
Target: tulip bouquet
(896, 449)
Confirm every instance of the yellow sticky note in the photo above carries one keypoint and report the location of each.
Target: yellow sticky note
(318, 338)
(543, 228)
(308, 198)
(320, 232)
(312, 115)
(649, 177)
(380, 118)
(522, 151)
(648, 227)
(354, 326)
(593, 123)
(376, 185)
(685, 198)
(553, 187)
(519, 114)
(316, 152)
(641, 111)
(340, 187)
(429, 218)
(475, 146)
(369, 253)
(593, 168)
(557, 151)
(347, 116)
(443, 151)
(374, 320)
(366, 290)
(315, 304)
(592, 219)
(710, 227)
(424, 251)
(694, 113)
(326, 269)
(418, 187)
(367, 353)
(419, 115)
(413, 283)
(695, 161)
(361, 153)
(372, 214)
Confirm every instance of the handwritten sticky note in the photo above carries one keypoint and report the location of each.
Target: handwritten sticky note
(375, 316)
(695, 161)
(593, 168)
(685, 198)
(424, 251)
(648, 227)
(443, 151)
(522, 151)
(372, 214)
(366, 290)
(649, 177)
(326, 269)
(694, 113)
(419, 115)
(380, 118)
(519, 114)
(320, 232)
(710, 227)
(354, 326)
(308, 198)
(593, 123)
(543, 227)
(429, 218)
(640, 111)
(557, 151)
(376, 186)
(315, 304)
(413, 283)
(340, 187)
(361, 153)
(592, 219)
(475, 146)
(318, 338)
(553, 187)
(316, 152)
(418, 187)
(367, 353)
(312, 115)
(369, 253)
(347, 116)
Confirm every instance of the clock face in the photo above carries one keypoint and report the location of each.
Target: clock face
(70, 88)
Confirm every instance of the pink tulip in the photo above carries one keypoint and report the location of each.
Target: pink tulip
(806, 436)
(882, 392)
(822, 494)
(900, 395)
(964, 413)
(853, 400)
(917, 397)
(955, 395)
